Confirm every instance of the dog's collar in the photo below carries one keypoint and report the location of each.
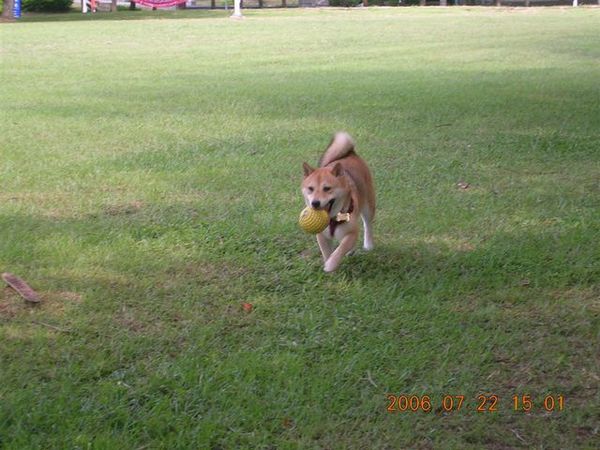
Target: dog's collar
(341, 217)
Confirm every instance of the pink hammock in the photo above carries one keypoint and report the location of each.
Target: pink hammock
(159, 3)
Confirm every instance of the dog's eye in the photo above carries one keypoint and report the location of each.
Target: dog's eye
(326, 189)
(310, 189)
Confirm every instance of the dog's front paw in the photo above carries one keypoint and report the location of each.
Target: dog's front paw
(330, 265)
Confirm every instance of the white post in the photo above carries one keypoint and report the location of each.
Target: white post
(237, 11)
(84, 6)
(575, 3)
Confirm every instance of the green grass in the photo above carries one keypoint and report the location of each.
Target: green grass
(150, 185)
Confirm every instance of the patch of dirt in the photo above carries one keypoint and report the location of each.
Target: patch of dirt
(124, 208)
(137, 321)
(53, 205)
(52, 303)
(208, 272)
(57, 303)
(588, 296)
(10, 303)
(130, 323)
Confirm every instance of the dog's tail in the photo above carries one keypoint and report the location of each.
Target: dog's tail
(340, 146)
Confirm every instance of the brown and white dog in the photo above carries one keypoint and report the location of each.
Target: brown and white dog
(342, 185)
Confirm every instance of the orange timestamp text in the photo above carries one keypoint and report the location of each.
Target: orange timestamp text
(482, 403)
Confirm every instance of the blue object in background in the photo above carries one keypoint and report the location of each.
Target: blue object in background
(17, 9)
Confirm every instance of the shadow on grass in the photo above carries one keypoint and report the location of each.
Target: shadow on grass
(553, 258)
(146, 301)
(544, 259)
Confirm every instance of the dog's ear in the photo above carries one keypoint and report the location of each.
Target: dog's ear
(307, 169)
(337, 170)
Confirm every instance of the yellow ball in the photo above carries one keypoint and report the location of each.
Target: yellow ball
(313, 221)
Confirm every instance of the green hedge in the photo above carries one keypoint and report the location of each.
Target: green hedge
(345, 3)
(47, 5)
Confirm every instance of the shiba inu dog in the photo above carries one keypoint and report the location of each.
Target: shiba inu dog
(342, 185)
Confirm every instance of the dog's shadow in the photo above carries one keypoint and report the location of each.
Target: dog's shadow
(399, 261)
(380, 261)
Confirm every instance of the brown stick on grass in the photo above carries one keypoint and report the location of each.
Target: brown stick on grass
(19, 285)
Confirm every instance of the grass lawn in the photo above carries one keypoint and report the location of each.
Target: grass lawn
(150, 174)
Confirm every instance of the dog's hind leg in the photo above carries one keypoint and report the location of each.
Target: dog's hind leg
(368, 228)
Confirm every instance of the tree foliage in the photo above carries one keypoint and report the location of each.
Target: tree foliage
(47, 5)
